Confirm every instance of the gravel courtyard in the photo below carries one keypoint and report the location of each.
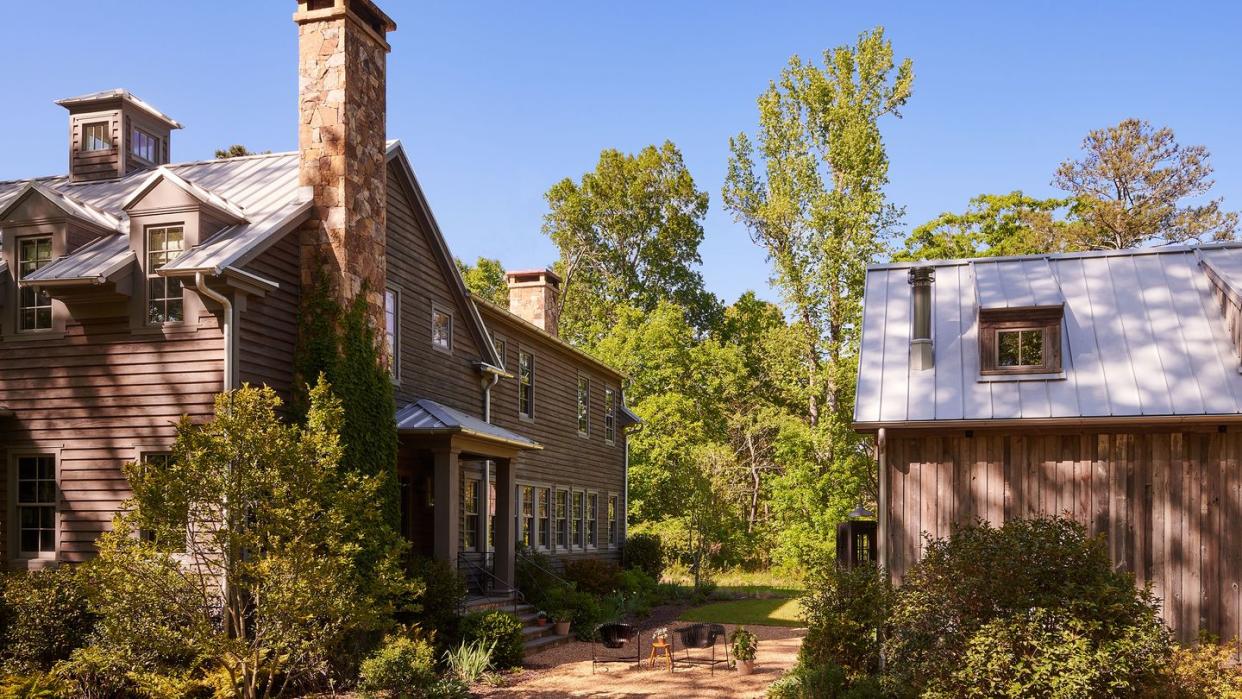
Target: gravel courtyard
(565, 671)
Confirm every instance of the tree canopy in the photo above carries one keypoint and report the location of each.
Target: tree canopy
(486, 279)
(628, 233)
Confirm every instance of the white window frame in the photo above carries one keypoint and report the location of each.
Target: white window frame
(17, 557)
(523, 520)
(392, 313)
(466, 516)
(559, 516)
(577, 516)
(543, 525)
(613, 501)
(144, 453)
(436, 310)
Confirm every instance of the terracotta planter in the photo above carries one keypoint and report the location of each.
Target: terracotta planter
(562, 628)
(745, 667)
(541, 621)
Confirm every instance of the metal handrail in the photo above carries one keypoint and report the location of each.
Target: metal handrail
(530, 560)
(518, 598)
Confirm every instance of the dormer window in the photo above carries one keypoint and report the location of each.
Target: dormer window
(164, 302)
(1020, 341)
(145, 146)
(95, 136)
(35, 306)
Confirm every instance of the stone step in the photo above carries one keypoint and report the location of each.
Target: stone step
(542, 643)
(535, 631)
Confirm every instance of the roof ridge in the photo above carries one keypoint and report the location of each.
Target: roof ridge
(1122, 252)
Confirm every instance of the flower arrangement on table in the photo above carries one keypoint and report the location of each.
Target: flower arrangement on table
(660, 635)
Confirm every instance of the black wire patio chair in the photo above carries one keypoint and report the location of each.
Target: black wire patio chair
(616, 643)
(703, 637)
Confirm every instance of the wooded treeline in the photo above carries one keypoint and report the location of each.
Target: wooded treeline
(746, 456)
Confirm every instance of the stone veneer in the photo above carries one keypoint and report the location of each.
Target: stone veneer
(534, 296)
(342, 138)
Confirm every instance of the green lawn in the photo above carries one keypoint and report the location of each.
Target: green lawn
(752, 612)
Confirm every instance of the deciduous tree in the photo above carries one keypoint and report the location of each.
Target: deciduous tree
(992, 225)
(486, 279)
(628, 234)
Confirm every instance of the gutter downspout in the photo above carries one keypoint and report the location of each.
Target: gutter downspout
(881, 450)
(200, 284)
(486, 486)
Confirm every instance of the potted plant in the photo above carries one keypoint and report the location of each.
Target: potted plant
(541, 618)
(745, 644)
(560, 621)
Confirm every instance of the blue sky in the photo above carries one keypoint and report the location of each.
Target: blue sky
(497, 101)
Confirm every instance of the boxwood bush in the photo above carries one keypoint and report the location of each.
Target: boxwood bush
(498, 627)
(644, 552)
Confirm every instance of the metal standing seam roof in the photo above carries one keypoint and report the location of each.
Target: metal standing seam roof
(123, 95)
(263, 188)
(429, 416)
(1141, 336)
(94, 262)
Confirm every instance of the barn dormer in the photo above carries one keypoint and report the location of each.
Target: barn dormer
(113, 133)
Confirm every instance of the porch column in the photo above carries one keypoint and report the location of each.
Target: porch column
(506, 526)
(448, 504)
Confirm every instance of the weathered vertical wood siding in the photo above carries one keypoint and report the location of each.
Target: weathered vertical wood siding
(1169, 504)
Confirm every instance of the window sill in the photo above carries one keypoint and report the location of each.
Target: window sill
(998, 378)
(179, 328)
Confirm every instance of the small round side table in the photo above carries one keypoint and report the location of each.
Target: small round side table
(661, 652)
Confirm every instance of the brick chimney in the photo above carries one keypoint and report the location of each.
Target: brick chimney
(342, 137)
(534, 296)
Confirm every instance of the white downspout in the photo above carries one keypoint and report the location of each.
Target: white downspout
(200, 283)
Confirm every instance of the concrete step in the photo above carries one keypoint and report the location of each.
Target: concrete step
(502, 602)
(541, 643)
(535, 631)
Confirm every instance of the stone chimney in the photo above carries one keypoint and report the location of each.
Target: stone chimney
(342, 137)
(535, 297)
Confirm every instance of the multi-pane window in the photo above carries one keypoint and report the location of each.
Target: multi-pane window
(526, 384)
(527, 499)
(502, 349)
(441, 329)
(34, 305)
(392, 331)
(562, 519)
(1020, 341)
(592, 511)
(469, 526)
(577, 519)
(543, 510)
(491, 515)
(613, 521)
(584, 406)
(610, 415)
(144, 145)
(36, 504)
(164, 304)
(95, 136)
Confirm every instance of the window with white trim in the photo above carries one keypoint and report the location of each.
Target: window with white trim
(36, 505)
(502, 349)
(164, 299)
(34, 306)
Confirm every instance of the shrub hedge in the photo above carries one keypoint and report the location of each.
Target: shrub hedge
(44, 617)
(644, 552)
(498, 627)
